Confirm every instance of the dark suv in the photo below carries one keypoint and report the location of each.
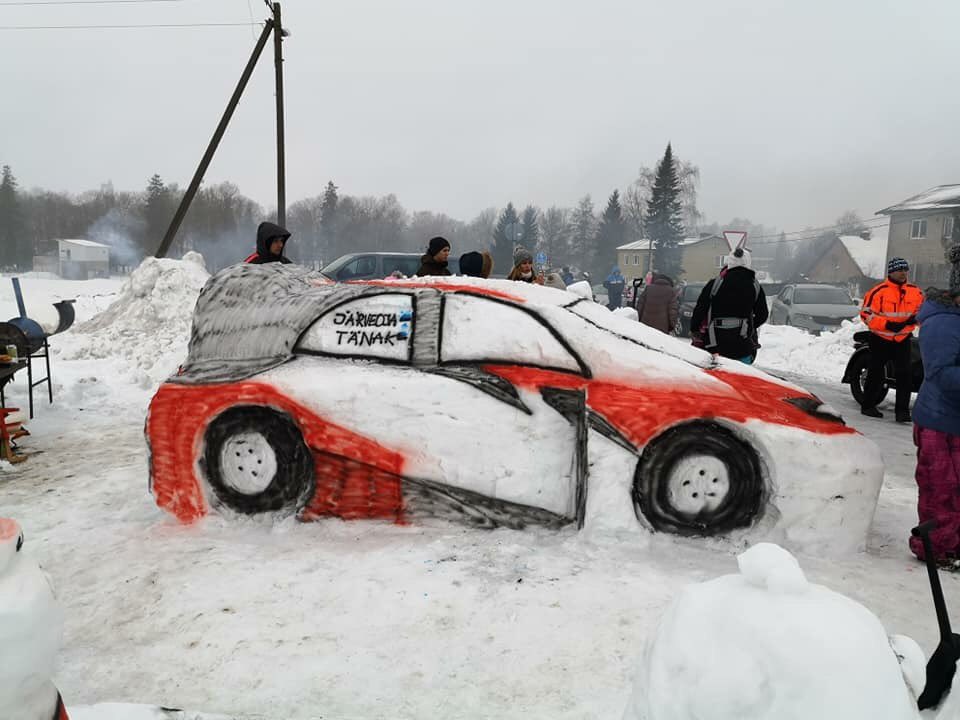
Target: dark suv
(688, 301)
(371, 265)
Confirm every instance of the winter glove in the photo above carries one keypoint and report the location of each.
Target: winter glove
(940, 671)
(912, 320)
(896, 326)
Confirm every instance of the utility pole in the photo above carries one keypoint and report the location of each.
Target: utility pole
(278, 35)
(271, 25)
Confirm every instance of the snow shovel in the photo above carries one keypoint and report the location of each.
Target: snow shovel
(942, 665)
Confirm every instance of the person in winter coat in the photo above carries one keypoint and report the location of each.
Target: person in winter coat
(567, 276)
(659, 305)
(936, 429)
(730, 309)
(614, 284)
(890, 312)
(271, 241)
(523, 267)
(434, 262)
(476, 264)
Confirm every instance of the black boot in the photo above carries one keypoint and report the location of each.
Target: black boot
(904, 417)
(871, 411)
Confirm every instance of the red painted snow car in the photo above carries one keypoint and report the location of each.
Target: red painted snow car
(494, 402)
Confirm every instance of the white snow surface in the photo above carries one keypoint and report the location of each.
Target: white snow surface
(940, 196)
(31, 626)
(348, 620)
(869, 255)
(768, 644)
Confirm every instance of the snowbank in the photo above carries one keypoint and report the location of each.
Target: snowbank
(148, 325)
(766, 643)
(790, 349)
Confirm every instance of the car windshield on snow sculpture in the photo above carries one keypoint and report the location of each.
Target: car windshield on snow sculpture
(489, 402)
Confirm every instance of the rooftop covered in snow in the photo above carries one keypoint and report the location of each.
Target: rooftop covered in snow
(645, 243)
(940, 197)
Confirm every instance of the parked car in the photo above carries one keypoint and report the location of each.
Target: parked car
(491, 402)
(812, 307)
(371, 265)
(688, 301)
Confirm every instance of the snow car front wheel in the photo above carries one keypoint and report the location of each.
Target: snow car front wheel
(698, 479)
(255, 461)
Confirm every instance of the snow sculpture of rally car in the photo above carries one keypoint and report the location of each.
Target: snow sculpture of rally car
(496, 402)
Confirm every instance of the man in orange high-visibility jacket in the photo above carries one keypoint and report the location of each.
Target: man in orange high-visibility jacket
(890, 311)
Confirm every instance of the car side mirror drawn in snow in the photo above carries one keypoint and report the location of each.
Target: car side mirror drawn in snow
(314, 400)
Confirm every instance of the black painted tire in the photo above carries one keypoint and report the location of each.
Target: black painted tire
(255, 461)
(858, 378)
(699, 479)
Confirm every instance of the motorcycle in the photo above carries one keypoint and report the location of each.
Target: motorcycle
(856, 373)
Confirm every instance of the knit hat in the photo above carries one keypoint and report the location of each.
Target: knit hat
(897, 264)
(521, 255)
(471, 264)
(739, 258)
(436, 245)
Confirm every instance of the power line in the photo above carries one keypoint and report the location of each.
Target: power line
(123, 27)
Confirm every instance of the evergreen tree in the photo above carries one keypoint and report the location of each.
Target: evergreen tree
(530, 228)
(610, 235)
(505, 236)
(15, 247)
(583, 225)
(664, 220)
(157, 213)
(329, 223)
(555, 236)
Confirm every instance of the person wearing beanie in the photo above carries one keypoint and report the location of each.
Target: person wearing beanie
(434, 261)
(890, 313)
(523, 267)
(730, 309)
(936, 418)
(476, 264)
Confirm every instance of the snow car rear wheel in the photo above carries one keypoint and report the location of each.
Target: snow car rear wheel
(255, 461)
(698, 479)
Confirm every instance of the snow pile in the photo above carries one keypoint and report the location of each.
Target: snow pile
(31, 625)
(790, 349)
(769, 644)
(147, 327)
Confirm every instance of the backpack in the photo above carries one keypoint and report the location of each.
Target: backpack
(745, 324)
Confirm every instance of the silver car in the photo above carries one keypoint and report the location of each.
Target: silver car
(814, 308)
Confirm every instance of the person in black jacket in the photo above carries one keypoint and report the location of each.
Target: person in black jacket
(434, 261)
(271, 240)
(730, 309)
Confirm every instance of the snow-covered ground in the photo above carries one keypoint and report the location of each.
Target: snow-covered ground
(335, 619)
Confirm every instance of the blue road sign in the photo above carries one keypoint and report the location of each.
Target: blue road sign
(540, 258)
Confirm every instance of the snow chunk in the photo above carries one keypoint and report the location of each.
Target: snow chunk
(769, 566)
(628, 313)
(148, 325)
(581, 288)
(740, 648)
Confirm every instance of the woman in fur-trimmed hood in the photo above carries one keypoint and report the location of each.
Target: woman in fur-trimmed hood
(936, 417)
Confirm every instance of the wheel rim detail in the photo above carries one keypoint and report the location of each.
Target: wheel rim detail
(697, 484)
(248, 463)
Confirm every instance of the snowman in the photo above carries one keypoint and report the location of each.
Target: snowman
(31, 625)
(766, 643)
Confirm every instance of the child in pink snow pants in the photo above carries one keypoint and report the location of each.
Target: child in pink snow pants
(936, 416)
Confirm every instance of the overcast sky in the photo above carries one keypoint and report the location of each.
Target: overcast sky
(793, 110)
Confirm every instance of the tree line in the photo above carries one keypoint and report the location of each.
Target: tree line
(660, 205)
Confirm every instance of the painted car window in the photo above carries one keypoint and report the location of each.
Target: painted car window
(479, 330)
(376, 327)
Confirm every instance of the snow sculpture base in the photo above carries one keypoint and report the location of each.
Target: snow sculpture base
(768, 644)
(31, 626)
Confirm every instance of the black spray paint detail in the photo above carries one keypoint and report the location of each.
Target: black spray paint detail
(424, 497)
(492, 385)
(600, 424)
(572, 404)
(369, 338)
(293, 483)
(743, 503)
